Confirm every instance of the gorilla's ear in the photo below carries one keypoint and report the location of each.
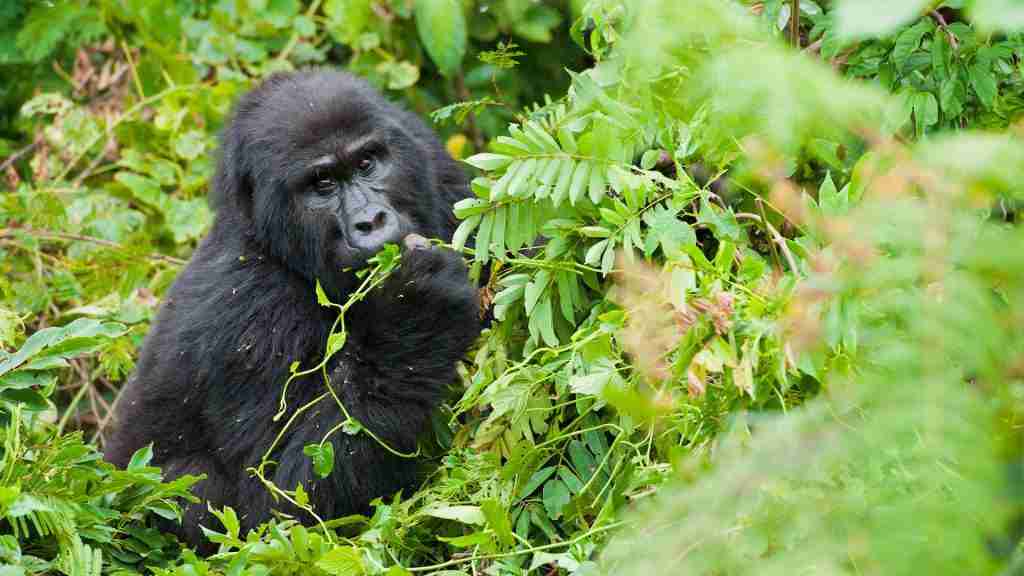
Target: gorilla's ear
(232, 184)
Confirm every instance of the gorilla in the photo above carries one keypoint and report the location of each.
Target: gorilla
(317, 172)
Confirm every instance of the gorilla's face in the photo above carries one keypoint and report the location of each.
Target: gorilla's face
(329, 173)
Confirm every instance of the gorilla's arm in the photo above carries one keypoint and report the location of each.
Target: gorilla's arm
(419, 324)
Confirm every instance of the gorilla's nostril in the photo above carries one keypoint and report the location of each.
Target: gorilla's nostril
(373, 226)
(367, 225)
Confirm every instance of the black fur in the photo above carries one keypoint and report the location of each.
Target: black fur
(211, 370)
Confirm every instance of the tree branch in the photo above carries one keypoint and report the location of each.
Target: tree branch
(68, 237)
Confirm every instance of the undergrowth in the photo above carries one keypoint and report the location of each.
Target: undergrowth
(753, 269)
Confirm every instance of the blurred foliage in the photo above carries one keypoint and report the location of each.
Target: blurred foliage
(753, 265)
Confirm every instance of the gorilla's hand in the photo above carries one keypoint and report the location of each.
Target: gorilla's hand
(422, 320)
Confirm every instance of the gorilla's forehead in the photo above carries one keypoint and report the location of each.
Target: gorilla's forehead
(323, 117)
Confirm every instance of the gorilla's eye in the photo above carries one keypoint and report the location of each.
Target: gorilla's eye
(366, 164)
(323, 183)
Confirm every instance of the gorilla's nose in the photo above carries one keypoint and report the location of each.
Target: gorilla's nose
(373, 226)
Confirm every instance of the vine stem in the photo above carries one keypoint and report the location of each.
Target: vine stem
(794, 23)
(576, 540)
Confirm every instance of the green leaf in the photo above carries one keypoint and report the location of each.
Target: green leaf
(189, 145)
(538, 478)
(482, 247)
(926, 111)
(498, 520)
(462, 513)
(582, 460)
(498, 231)
(983, 81)
(141, 458)
(322, 456)
(321, 296)
(545, 322)
(831, 201)
(561, 190)
(145, 190)
(580, 178)
(594, 231)
(951, 97)
(346, 19)
(909, 40)
(570, 479)
(462, 233)
(335, 342)
(598, 184)
(534, 289)
(518, 184)
(555, 496)
(442, 30)
(187, 219)
(488, 161)
(593, 255)
(342, 561)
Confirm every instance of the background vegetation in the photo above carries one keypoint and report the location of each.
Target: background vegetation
(774, 325)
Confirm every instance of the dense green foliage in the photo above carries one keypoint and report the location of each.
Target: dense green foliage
(757, 289)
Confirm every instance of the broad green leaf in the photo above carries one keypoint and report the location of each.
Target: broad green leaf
(832, 201)
(141, 458)
(461, 513)
(570, 479)
(335, 342)
(555, 496)
(984, 81)
(582, 460)
(910, 40)
(498, 520)
(187, 219)
(926, 111)
(538, 478)
(346, 19)
(322, 456)
(342, 561)
(189, 145)
(442, 30)
(145, 190)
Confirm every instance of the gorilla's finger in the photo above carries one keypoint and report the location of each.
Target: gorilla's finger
(416, 242)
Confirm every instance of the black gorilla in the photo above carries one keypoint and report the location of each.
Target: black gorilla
(317, 173)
